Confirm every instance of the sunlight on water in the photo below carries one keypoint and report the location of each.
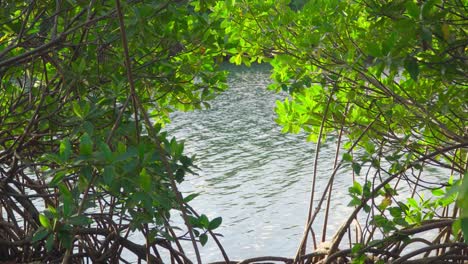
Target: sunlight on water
(253, 176)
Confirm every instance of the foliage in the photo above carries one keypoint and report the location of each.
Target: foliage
(87, 85)
(85, 88)
(388, 76)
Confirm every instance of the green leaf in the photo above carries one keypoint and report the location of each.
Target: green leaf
(215, 223)
(52, 158)
(52, 210)
(464, 228)
(81, 65)
(355, 201)
(411, 66)
(57, 178)
(77, 109)
(427, 6)
(145, 180)
(87, 172)
(79, 220)
(366, 190)
(366, 208)
(347, 157)
(463, 196)
(40, 234)
(203, 220)
(82, 183)
(456, 227)
(400, 221)
(67, 199)
(438, 192)
(65, 149)
(64, 190)
(86, 145)
(65, 239)
(203, 239)
(356, 189)
(395, 211)
(178, 150)
(237, 59)
(45, 222)
(412, 8)
(193, 221)
(356, 168)
(50, 243)
(356, 248)
(50, 215)
(104, 148)
(190, 197)
(426, 35)
(108, 175)
(413, 203)
(312, 137)
(374, 49)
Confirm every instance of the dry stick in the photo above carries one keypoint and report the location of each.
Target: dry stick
(339, 235)
(350, 239)
(371, 215)
(335, 162)
(23, 25)
(117, 121)
(317, 209)
(301, 249)
(145, 231)
(127, 233)
(151, 131)
(128, 67)
(314, 240)
(437, 240)
(447, 209)
(171, 231)
(417, 179)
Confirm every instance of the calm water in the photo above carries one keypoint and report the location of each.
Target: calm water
(251, 174)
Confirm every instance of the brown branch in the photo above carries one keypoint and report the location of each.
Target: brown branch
(428, 249)
(339, 235)
(325, 191)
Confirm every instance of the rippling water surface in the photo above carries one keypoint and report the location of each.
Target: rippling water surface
(251, 174)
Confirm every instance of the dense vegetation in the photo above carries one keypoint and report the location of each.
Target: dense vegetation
(85, 89)
(87, 85)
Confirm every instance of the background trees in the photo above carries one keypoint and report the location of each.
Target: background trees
(85, 87)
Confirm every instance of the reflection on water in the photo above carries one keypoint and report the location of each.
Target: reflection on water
(253, 176)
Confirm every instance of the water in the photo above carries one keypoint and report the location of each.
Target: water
(251, 174)
(257, 178)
